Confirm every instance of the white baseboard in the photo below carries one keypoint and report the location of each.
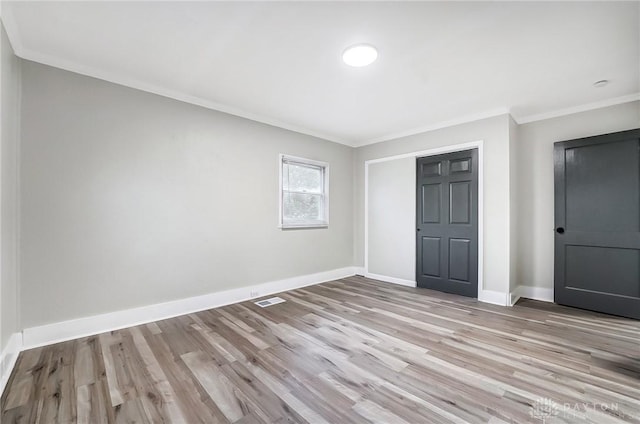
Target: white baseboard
(493, 297)
(360, 270)
(87, 326)
(387, 279)
(532, 292)
(8, 359)
(487, 296)
(514, 296)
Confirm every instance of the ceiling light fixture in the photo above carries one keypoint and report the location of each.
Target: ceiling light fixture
(360, 55)
(600, 83)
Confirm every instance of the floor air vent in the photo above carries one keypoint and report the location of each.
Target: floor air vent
(269, 302)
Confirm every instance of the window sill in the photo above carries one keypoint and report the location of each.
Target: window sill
(303, 226)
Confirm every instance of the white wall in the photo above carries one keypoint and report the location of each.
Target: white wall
(495, 134)
(392, 205)
(131, 199)
(535, 182)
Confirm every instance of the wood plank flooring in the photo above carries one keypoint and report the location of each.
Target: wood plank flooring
(348, 351)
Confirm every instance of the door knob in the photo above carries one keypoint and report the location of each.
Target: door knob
(418, 229)
(560, 230)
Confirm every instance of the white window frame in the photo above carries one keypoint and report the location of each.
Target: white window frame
(282, 158)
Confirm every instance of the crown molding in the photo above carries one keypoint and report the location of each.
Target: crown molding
(173, 94)
(6, 16)
(113, 77)
(577, 109)
(436, 126)
(504, 111)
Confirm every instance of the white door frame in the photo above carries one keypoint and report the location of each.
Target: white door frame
(424, 153)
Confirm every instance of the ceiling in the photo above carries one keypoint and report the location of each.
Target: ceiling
(280, 62)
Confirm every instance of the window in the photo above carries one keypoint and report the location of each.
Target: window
(304, 193)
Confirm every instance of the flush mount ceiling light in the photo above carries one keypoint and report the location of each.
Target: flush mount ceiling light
(600, 83)
(360, 55)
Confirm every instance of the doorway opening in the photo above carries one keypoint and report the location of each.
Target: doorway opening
(372, 268)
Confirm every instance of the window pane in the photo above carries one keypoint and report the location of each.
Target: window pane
(285, 176)
(301, 207)
(302, 178)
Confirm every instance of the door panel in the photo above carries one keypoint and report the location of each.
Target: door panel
(431, 195)
(431, 169)
(597, 215)
(603, 269)
(460, 202)
(431, 256)
(460, 165)
(603, 187)
(447, 224)
(459, 252)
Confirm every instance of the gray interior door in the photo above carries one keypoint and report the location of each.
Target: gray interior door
(597, 217)
(447, 223)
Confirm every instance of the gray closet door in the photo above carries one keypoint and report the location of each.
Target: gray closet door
(597, 217)
(447, 223)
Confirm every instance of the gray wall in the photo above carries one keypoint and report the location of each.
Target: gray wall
(9, 135)
(518, 206)
(495, 134)
(535, 181)
(131, 199)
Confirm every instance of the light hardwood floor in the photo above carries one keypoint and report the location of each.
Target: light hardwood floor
(353, 350)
